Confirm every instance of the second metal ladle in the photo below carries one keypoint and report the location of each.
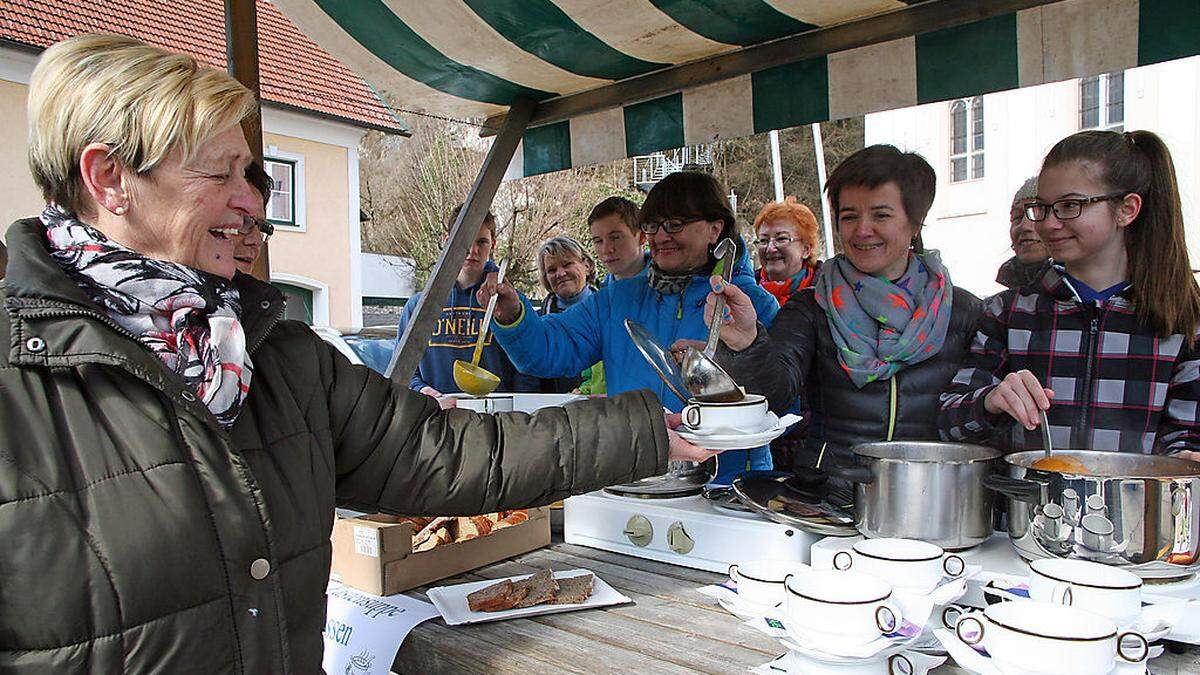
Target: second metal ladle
(702, 377)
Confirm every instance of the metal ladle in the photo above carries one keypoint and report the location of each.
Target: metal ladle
(1046, 435)
(702, 377)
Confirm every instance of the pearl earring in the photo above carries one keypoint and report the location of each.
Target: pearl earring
(120, 210)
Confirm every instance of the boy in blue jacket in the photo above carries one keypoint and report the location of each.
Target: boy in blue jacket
(458, 327)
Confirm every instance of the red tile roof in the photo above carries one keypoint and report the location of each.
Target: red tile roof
(293, 70)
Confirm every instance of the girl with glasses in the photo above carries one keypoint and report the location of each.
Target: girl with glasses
(786, 241)
(684, 216)
(1104, 342)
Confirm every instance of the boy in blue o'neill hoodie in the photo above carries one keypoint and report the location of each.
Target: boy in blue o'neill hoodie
(684, 216)
(458, 327)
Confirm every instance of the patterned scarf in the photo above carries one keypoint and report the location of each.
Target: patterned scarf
(189, 318)
(880, 326)
(783, 290)
(667, 284)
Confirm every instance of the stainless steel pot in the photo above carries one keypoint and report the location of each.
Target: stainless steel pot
(1141, 512)
(923, 490)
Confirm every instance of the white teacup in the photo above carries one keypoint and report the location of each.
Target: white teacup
(1105, 590)
(760, 582)
(1036, 637)
(907, 564)
(841, 608)
(715, 418)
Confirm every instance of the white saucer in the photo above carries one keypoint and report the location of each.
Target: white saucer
(741, 441)
(823, 647)
(743, 609)
(796, 662)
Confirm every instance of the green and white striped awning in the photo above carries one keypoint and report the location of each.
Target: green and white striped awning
(620, 78)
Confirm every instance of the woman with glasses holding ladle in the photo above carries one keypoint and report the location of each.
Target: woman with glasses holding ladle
(684, 217)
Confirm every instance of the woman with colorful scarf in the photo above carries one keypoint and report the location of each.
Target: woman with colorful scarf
(171, 451)
(871, 346)
(684, 216)
(785, 236)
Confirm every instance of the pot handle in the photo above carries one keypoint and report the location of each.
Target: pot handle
(1021, 489)
(854, 474)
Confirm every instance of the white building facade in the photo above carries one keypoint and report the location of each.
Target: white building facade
(985, 147)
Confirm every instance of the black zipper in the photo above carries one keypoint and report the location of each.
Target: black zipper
(1079, 436)
(39, 313)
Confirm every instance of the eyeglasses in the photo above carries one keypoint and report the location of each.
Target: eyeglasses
(781, 241)
(671, 225)
(265, 227)
(1066, 209)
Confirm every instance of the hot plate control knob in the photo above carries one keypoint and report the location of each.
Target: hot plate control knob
(639, 530)
(678, 539)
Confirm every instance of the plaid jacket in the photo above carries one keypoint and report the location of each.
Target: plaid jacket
(1117, 386)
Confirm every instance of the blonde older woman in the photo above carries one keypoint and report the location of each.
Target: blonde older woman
(568, 274)
(171, 450)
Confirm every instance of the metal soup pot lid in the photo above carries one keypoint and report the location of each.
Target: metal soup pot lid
(768, 494)
(926, 451)
(1101, 464)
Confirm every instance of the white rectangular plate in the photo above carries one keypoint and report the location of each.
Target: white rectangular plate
(451, 601)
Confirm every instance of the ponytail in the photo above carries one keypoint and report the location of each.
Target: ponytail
(1163, 288)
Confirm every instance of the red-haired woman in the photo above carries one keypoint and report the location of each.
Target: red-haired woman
(785, 235)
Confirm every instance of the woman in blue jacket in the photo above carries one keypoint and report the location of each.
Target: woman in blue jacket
(684, 216)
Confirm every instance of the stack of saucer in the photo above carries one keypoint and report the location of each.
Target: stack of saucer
(801, 662)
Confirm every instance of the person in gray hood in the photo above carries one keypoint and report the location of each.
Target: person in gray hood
(1031, 256)
(171, 451)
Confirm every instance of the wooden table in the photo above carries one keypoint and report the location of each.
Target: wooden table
(669, 628)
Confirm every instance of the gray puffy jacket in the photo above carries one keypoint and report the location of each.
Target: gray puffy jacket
(138, 535)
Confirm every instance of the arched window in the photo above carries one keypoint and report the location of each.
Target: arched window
(966, 139)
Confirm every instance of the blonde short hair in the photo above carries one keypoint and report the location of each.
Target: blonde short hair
(563, 247)
(143, 101)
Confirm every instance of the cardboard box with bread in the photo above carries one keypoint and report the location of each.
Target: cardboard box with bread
(386, 554)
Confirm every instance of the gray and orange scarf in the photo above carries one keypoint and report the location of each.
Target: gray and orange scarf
(189, 318)
(881, 326)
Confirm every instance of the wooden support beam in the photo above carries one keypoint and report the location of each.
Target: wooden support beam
(241, 58)
(893, 25)
(412, 344)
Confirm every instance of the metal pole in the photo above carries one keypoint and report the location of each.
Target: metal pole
(819, 151)
(412, 344)
(241, 59)
(776, 165)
